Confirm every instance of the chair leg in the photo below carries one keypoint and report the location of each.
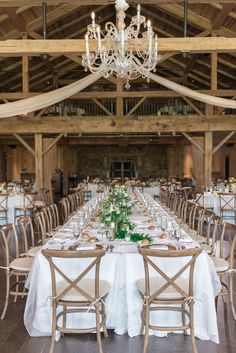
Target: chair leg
(216, 302)
(104, 320)
(98, 327)
(147, 314)
(7, 295)
(231, 296)
(194, 347)
(142, 321)
(64, 319)
(183, 318)
(54, 313)
(17, 288)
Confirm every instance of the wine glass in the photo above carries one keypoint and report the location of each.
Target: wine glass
(81, 221)
(76, 230)
(178, 235)
(164, 223)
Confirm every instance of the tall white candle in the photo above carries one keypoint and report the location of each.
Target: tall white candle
(99, 38)
(86, 44)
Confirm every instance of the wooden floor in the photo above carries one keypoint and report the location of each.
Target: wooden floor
(15, 339)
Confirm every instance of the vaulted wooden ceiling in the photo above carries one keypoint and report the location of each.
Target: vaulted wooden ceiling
(69, 18)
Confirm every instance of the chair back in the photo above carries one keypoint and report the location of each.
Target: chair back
(3, 201)
(226, 245)
(227, 203)
(6, 233)
(40, 227)
(64, 209)
(27, 231)
(73, 280)
(150, 258)
(55, 215)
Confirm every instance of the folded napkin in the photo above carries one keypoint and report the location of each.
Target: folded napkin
(186, 240)
(53, 246)
(86, 247)
(159, 247)
(142, 226)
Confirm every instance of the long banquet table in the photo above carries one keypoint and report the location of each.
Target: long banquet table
(122, 268)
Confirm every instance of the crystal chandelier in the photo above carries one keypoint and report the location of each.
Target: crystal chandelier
(123, 51)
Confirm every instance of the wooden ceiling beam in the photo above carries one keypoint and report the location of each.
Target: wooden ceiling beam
(194, 19)
(118, 125)
(222, 15)
(15, 19)
(13, 3)
(76, 46)
(125, 94)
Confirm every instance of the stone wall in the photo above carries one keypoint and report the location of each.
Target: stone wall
(150, 160)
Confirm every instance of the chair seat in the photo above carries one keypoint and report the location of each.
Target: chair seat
(24, 208)
(33, 251)
(39, 203)
(198, 238)
(169, 293)
(206, 247)
(228, 208)
(221, 265)
(22, 264)
(209, 206)
(85, 284)
(192, 232)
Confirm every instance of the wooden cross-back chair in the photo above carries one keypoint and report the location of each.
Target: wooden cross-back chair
(41, 199)
(4, 207)
(13, 266)
(64, 209)
(101, 187)
(27, 207)
(163, 196)
(77, 294)
(55, 216)
(171, 293)
(227, 205)
(27, 231)
(224, 260)
(186, 192)
(211, 225)
(80, 197)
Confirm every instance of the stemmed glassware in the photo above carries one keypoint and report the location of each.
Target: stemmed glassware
(164, 223)
(76, 230)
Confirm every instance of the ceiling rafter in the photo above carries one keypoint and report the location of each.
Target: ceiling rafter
(195, 19)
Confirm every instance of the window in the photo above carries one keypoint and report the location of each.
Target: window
(122, 169)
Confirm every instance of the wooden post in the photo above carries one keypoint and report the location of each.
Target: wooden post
(25, 74)
(38, 161)
(65, 170)
(214, 58)
(119, 99)
(209, 135)
(208, 159)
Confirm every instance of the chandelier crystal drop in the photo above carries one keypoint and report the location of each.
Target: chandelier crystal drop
(123, 51)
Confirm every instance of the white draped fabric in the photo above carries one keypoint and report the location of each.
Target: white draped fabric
(219, 102)
(46, 99)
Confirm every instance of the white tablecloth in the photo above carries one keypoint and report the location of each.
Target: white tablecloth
(124, 304)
